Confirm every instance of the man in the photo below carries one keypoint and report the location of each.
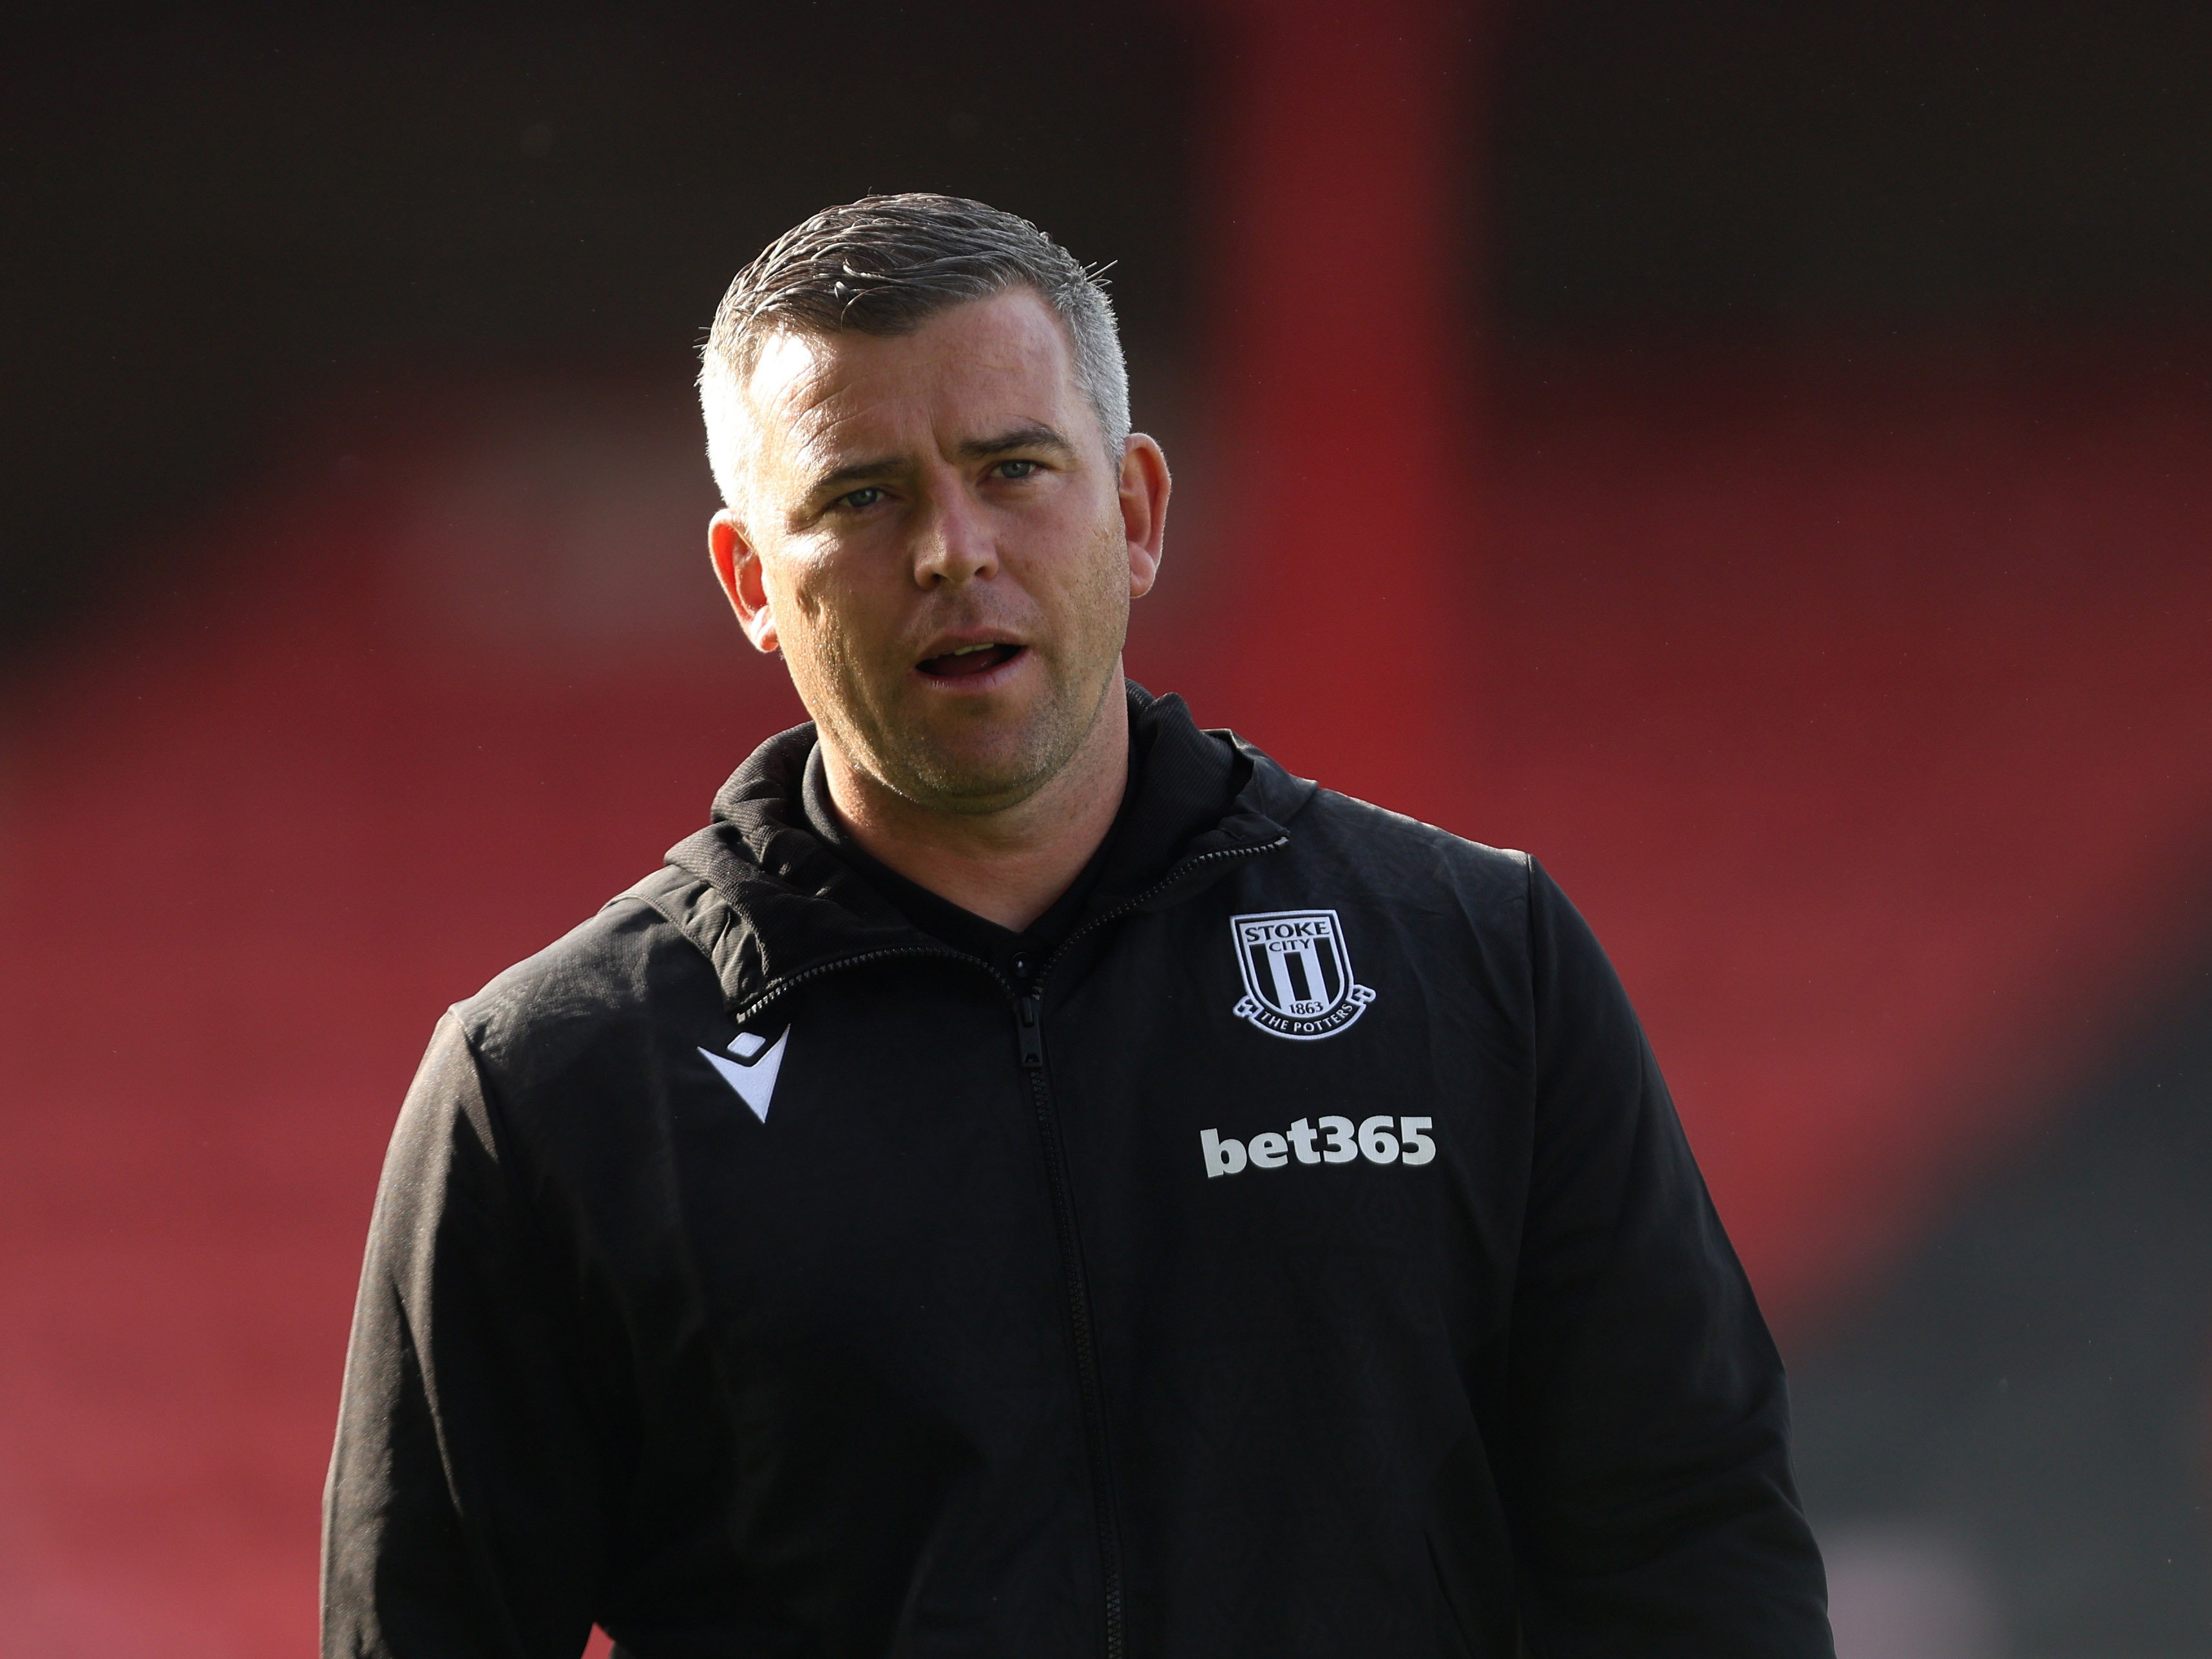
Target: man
(1032, 1177)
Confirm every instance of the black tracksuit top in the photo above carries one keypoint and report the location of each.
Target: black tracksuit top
(1305, 1260)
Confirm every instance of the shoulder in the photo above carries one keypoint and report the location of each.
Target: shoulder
(1398, 861)
(1503, 900)
(603, 988)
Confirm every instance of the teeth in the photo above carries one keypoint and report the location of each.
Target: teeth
(970, 650)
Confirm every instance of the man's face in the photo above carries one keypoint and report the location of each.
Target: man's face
(933, 534)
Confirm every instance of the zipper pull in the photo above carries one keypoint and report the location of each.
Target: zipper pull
(1028, 1025)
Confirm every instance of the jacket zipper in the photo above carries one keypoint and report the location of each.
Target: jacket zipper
(1028, 1029)
(1028, 1025)
(777, 991)
(1029, 1014)
(1127, 906)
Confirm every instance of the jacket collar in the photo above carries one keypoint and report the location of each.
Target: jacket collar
(768, 904)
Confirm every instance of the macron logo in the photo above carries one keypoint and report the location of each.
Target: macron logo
(752, 1074)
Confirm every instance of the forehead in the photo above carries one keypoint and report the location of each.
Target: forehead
(976, 369)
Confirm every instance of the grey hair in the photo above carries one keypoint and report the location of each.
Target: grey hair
(885, 264)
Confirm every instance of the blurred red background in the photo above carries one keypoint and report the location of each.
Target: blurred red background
(1852, 677)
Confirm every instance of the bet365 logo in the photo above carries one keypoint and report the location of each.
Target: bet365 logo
(1323, 1140)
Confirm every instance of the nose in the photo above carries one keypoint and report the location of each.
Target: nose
(952, 541)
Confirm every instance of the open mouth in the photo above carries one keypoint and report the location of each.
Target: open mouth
(969, 661)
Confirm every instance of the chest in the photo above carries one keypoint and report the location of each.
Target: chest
(1230, 1119)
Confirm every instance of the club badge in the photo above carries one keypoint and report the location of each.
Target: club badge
(1297, 974)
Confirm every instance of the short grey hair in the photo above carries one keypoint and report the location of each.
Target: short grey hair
(885, 264)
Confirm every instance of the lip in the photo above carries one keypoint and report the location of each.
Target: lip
(988, 679)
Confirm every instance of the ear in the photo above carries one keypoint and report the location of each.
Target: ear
(737, 568)
(1144, 486)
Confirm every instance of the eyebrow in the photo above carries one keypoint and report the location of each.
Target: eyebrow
(1032, 436)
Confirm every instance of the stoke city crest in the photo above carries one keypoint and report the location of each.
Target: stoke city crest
(1297, 974)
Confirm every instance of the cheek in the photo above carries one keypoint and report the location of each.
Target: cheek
(1108, 570)
(1093, 561)
(802, 592)
(835, 617)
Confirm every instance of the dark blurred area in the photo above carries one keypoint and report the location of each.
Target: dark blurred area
(218, 220)
(1754, 458)
(1733, 168)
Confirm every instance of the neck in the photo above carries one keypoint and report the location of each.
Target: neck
(1008, 866)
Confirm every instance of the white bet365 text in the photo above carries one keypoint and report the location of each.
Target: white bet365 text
(1377, 1139)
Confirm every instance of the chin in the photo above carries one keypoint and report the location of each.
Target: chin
(980, 754)
(979, 787)
(978, 776)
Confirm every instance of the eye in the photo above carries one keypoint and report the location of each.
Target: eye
(1015, 469)
(855, 501)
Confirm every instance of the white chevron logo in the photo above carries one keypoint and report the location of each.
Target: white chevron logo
(752, 1074)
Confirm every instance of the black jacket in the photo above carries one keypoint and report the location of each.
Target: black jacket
(1305, 1260)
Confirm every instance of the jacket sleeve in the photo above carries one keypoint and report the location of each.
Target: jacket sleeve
(465, 1511)
(1657, 1512)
